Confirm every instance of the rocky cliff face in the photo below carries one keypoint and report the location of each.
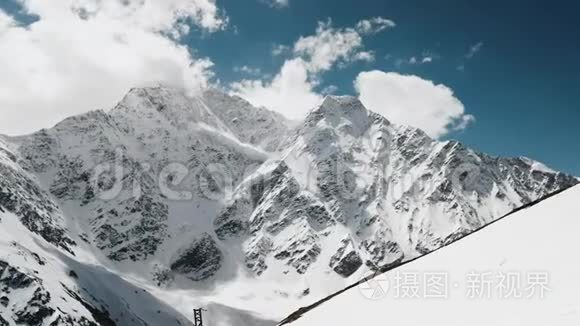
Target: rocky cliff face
(21, 195)
(354, 189)
(190, 192)
(41, 285)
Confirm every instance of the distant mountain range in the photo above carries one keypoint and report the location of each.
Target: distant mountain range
(170, 201)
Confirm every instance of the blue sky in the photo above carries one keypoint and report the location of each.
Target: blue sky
(523, 86)
(513, 64)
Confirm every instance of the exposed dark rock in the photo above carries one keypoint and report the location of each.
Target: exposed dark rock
(143, 222)
(348, 265)
(11, 278)
(21, 196)
(200, 261)
(346, 260)
(36, 310)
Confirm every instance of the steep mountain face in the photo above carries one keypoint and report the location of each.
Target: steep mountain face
(543, 289)
(136, 189)
(43, 286)
(44, 277)
(354, 189)
(188, 193)
(21, 195)
(152, 134)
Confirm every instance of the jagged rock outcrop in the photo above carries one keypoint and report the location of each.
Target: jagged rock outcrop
(201, 260)
(391, 190)
(346, 260)
(20, 194)
(194, 189)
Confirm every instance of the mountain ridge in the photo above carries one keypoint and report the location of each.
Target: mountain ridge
(186, 194)
(303, 310)
(519, 258)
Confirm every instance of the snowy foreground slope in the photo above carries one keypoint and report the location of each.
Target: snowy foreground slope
(39, 285)
(184, 201)
(521, 270)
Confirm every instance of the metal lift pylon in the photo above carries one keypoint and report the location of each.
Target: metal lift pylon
(197, 317)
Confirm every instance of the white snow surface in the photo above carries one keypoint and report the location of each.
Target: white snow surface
(540, 240)
(255, 255)
(126, 303)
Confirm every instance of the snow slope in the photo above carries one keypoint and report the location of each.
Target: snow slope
(207, 201)
(536, 242)
(353, 190)
(40, 285)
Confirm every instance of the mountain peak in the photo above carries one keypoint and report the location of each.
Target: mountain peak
(150, 97)
(193, 202)
(343, 113)
(342, 103)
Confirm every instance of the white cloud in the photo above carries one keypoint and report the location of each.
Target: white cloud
(464, 122)
(374, 25)
(411, 100)
(5, 21)
(429, 56)
(277, 3)
(368, 56)
(329, 45)
(473, 50)
(292, 91)
(247, 70)
(426, 57)
(151, 15)
(280, 49)
(330, 89)
(85, 54)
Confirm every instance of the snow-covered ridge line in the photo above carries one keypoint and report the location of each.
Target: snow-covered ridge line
(346, 190)
(304, 310)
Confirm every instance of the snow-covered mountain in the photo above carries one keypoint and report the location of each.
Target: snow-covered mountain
(354, 189)
(519, 271)
(206, 200)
